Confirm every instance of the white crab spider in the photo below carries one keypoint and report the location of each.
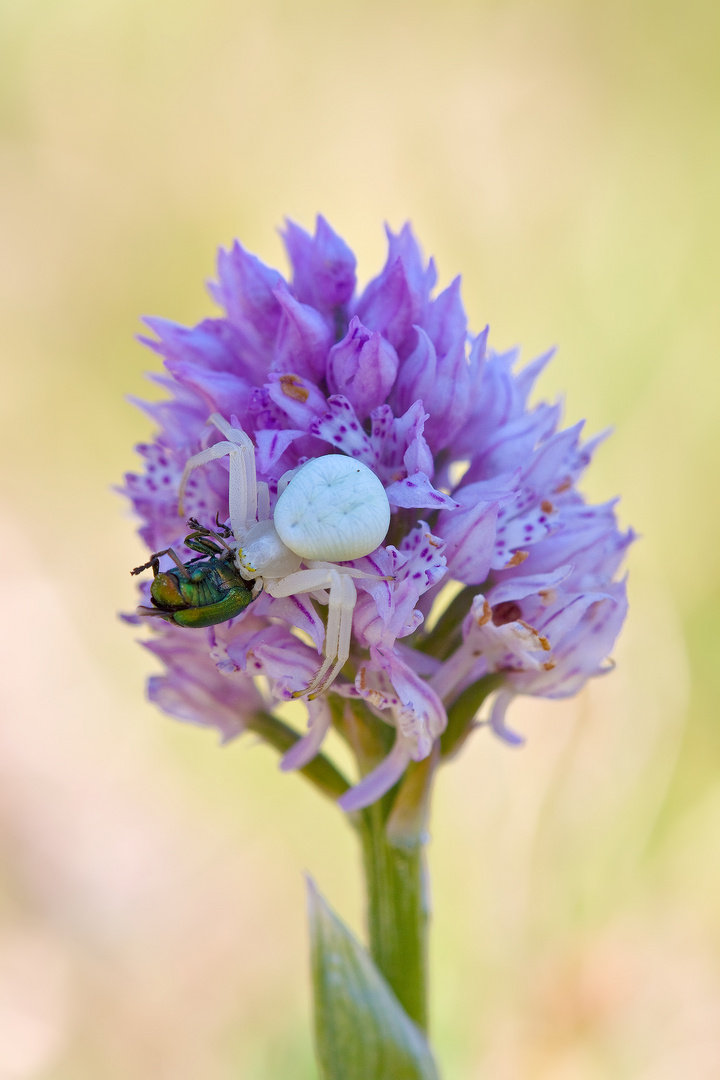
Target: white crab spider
(330, 510)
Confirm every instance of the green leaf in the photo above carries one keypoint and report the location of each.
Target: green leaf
(361, 1030)
(461, 714)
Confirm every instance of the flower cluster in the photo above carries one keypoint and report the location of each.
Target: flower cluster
(481, 485)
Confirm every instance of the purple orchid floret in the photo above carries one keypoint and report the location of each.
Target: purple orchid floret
(480, 486)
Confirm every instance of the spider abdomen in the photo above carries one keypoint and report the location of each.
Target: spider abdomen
(334, 509)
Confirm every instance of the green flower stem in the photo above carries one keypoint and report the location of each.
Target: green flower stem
(392, 835)
(461, 714)
(320, 771)
(446, 635)
(392, 832)
(397, 911)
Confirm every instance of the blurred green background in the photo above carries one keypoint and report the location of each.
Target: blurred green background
(562, 155)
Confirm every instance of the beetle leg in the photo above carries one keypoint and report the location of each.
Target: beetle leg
(154, 561)
(155, 613)
(199, 539)
(223, 533)
(176, 559)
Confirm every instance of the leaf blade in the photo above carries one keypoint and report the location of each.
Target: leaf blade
(361, 1030)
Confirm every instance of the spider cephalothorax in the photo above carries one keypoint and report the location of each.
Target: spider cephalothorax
(330, 510)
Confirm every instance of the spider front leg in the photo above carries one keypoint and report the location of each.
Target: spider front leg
(341, 604)
(244, 491)
(238, 480)
(248, 495)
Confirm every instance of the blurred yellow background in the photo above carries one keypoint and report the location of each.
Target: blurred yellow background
(562, 155)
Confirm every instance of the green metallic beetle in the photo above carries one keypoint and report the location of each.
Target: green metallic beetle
(202, 592)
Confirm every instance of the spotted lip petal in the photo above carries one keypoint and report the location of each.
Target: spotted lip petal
(482, 488)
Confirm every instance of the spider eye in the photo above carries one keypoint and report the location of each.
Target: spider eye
(333, 509)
